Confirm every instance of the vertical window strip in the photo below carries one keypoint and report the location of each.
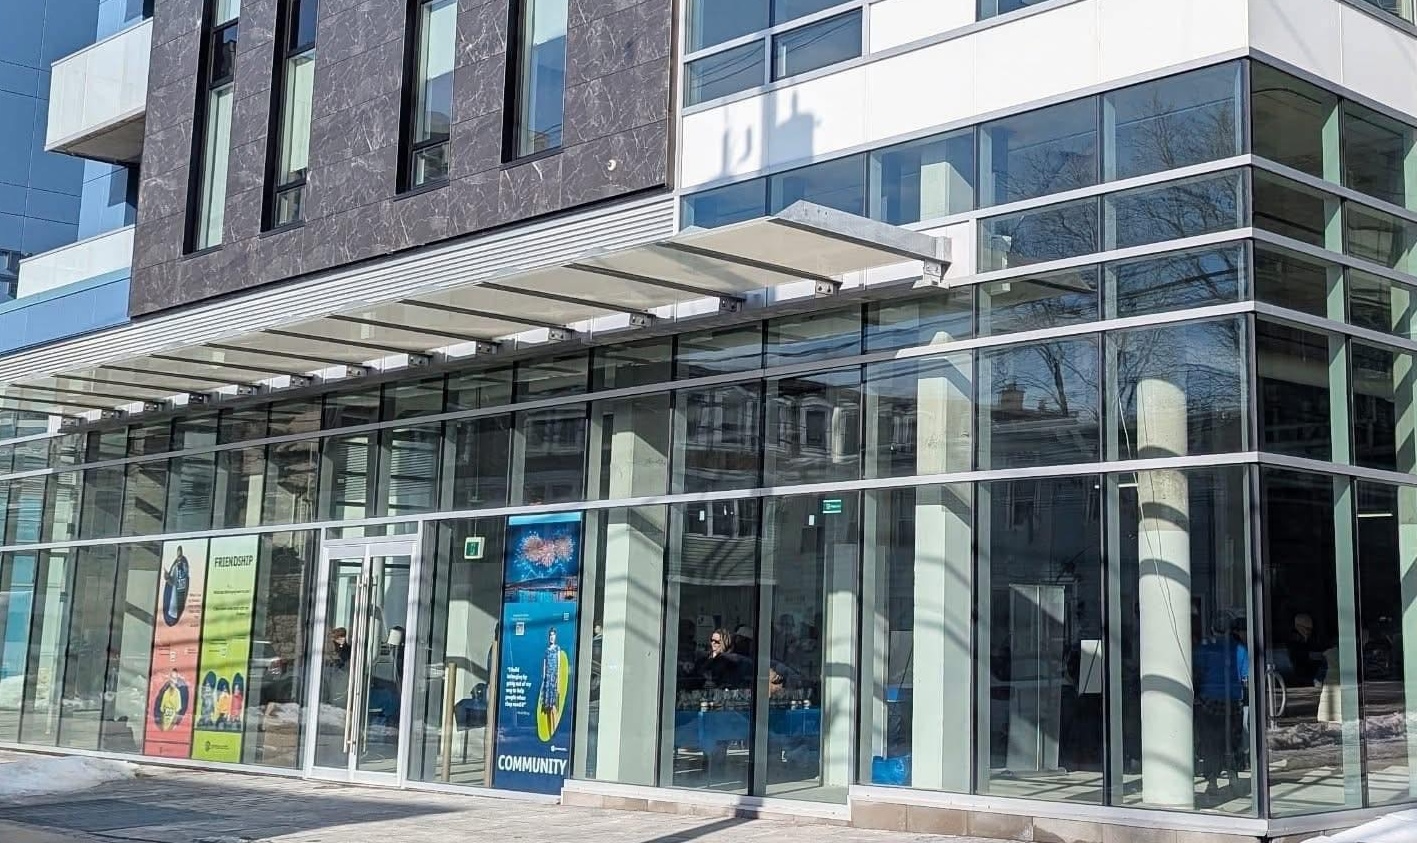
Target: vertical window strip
(214, 112)
(293, 94)
(539, 88)
(429, 92)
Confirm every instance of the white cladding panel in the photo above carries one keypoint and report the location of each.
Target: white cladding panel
(896, 22)
(1046, 55)
(1354, 48)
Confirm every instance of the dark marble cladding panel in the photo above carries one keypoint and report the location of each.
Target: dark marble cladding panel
(171, 104)
(163, 194)
(167, 149)
(254, 70)
(158, 241)
(582, 12)
(174, 61)
(618, 102)
(249, 121)
(479, 88)
(355, 131)
(473, 201)
(243, 215)
(529, 189)
(353, 183)
(477, 145)
(278, 255)
(421, 218)
(175, 19)
(619, 41)
(258, 25)
(345, 84)
(330, 8)
(359, 29)
(246, 168)
(483, 30)
(622, 163)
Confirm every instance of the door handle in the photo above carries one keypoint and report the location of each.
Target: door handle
(355, 676)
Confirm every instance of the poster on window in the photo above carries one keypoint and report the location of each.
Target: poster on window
(223, 672)
(535, 698)
(177, 639)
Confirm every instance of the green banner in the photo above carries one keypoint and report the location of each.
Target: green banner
(222, 678)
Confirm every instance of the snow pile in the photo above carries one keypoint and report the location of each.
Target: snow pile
(1393, 828)
(41, 776)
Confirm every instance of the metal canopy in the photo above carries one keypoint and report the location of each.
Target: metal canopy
(806, 242)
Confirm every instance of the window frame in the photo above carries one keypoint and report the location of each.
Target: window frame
(287, 51)
(518, 87)
(209, 85)
(409, 147)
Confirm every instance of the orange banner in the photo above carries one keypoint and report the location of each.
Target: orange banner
(177, 640)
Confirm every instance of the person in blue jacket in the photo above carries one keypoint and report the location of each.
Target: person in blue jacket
(1222, 669)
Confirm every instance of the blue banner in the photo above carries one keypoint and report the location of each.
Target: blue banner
(540, 612)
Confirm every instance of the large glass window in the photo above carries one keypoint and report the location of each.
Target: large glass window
(240, 488)
(1041, 641)
(1293, 210)
(1171, 211)
(1289, 119)
(717, 438)
(292, 481)
(144, 498)
(721, 74)
(923, 180)
(294, 98)
(280, 630)
(1181, 693)
(814, 428)
(1384, 384)
(478, 472)
(125, 710)
(1056, 232)
(918, 416)
(1041, 152)
(1051, 300)
(715, 21)
(44, 672)
(1294, 397)
(1310, 668)
(737, 202)
(102, 516)
(1381, 304)
(1177, 390)
(346, 477)
(718, 352)
(1175, 281)
(215, 101)
(820, 336)
(1376, 149)
(541, 76)
(1172, 123)
(1382, 238)
(629, 446)
(191, 491)
(551, 457)
(1293, 281)
(936, 318)
(428, 125)
(710, 678)
(839, 184)
(89, 610)
(816, 45)
(456, 675)
(1038, 404)
(410, 458)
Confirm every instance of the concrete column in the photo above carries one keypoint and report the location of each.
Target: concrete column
(839, 668)
(1164, 601)
(630, 655)
(941, 664)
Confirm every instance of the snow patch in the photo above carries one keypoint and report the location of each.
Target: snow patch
(1393, 828)
(42, 776)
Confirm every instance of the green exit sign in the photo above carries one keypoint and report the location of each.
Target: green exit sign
(832, 506)
(473, 546)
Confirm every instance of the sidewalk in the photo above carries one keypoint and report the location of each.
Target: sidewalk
(168, 805)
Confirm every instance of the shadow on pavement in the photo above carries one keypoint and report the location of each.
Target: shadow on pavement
(179, 808)
(687, 834)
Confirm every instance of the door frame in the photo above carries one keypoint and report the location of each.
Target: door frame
(365, 549)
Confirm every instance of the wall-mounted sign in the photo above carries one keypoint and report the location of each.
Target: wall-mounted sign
(473, 546)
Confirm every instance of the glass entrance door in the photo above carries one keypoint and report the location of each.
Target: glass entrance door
(360, 723)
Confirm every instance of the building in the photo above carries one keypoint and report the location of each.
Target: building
(937, 415)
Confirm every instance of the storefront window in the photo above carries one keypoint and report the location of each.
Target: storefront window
(1310, 673)
(89, 608)
(17, 583)
(350, 409)
(346, 477)
(412, 457)
(479, 390)
(280, 646)
(130, 646)
(1180, 605)
(102, 516)
(240, 487)
(552, 378)
(630, 446)
(1041, 647)
(144, 498)
(454, 694)
(632, 364)
(710, 681)
(292, 417)
(820, 336)
(622, 657)
(244, 424)
(916, 631)
(191, 490)
(1294, 391)
(44, 674)
(935, 319)
(1384, 382)
(719, 352)
(1052, 300)
(803, 651)
(409, 400)
(292, 479)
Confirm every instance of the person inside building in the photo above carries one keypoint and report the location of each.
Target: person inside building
(1222, 667)
(722, 668)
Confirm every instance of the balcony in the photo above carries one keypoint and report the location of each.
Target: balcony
(98, 98)
(107, 255)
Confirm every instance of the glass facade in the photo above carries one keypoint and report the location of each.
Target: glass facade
(1120, 520)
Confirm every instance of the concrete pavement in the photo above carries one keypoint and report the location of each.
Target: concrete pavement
(171, 805)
